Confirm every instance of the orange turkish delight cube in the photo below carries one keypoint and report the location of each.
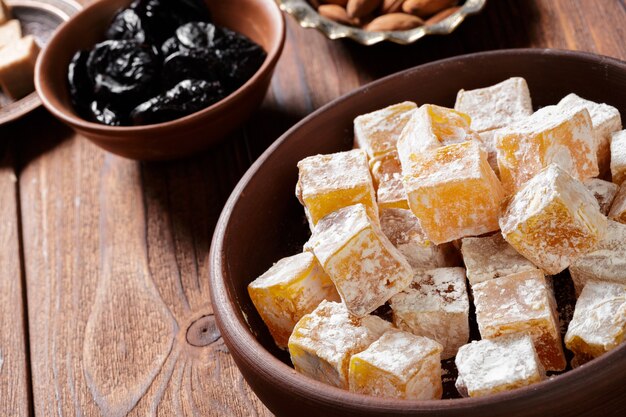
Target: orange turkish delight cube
(553, 220)
(329, 182)
(291, 288)
(365, 267)
(521, 303)
(398, 365)
(387, 175)
(552, 135)
(453, 192)
(377, 132)
(618, 208)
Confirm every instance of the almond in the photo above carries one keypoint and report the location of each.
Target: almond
(394, 21)
(425, 8)
(336, 13)
(361, 8)
(391, 6)
(342, 3)
(441, 15)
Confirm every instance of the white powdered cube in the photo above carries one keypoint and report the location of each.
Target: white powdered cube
(17, 67)
(603, 191)
(435, 305)
(10, 32)
(323, 342)
(607, 262)
(398, 365)
(496, 106)
(605, 120)
(494, 365)
(599, 322)
(491, 257)
(618, 157)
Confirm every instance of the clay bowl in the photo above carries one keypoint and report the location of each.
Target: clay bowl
(260, 20)
(263, 222)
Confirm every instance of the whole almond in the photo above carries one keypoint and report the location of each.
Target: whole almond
(425, 8)
(341, 3)
(336, 13)
(391, 6)
(361, 8)
(441, 15)
(394, 21)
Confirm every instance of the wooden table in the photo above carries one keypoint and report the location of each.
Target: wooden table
(104, 302)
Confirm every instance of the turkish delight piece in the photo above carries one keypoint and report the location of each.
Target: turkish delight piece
(398, 365)
(553, 220)
(607, 262)
(603, 191)
(403, 230)
(492, 257)
(618, 157)
(377, 132)
(431, 127)
(10, 32)
(387, 175)
(454, 192)
(323, 342)
(5, 13)
(364, 265)
(435, 305)
(327, 183)
(599, 322)
(605, 120)
(552, 135)
(17, 67)
(496, 106)
(488, 142)
(618, 209)
(490, 366)
(521, 303)
(291, 288)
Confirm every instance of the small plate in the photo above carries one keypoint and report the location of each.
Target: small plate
(39, 18)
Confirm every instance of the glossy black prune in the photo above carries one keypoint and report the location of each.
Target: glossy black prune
(81, 87)
(127, 25)
(185, 98)
(123, 71)
(191, 64)
(105, 114)
(161, 18)
(241, 57)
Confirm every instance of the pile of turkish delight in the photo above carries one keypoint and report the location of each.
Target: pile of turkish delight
(438, 209)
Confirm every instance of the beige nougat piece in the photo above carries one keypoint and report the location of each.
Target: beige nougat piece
(607, 262)
(364, 265)
(453, 192)
(5, 13)
(521, 303)
(552, 135)
(496, 106)
(492, 257)
(404, 231)
(291, 288)
(377, 133)
(329, 182)
(618, 209)
(605, 120)
(10, 32)
(599, 322)
(398, 365)
(431, 127)
(387, 175)
(17, 67)
(603, 191)
(435, 305)
(323, 342)
(494, 365)
(553, 220)
(618, 156)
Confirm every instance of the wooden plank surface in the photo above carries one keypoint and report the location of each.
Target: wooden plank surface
(116, 252)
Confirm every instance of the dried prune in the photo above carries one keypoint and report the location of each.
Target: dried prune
(81, 87)
(241, 57)
(126, 25)
(187, 97)
(196, 35)
(161, 18)
(105, 114)
(191, 64)
(123, 71)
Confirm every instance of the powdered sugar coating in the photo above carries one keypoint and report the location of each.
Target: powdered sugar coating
(496, 365)
(618, 156)
(599, 323)
(603, 191)
(496, 106)
(618, 209)
(387, 175)
(377, 133)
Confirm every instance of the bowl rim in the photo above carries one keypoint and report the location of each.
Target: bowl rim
(249, 349)
(41, 79)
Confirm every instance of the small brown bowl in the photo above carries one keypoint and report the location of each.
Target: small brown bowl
(260, 20)
(263, 222)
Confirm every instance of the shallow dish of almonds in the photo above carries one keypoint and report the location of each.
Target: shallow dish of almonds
(449, 240)
(372, 21)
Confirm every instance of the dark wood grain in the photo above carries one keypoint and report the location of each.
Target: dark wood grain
(116, 251)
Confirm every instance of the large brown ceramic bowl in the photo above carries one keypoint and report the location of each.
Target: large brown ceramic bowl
(260, 20)
(263, 221)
